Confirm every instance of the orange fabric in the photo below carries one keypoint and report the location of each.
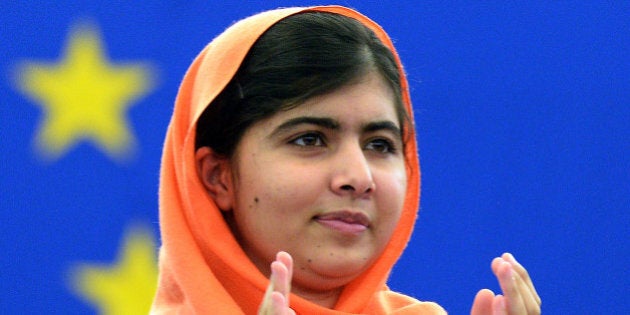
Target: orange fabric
(203, 270)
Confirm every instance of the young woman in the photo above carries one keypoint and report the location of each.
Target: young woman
(291, 155)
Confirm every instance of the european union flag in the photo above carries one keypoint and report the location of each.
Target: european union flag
(523, 118)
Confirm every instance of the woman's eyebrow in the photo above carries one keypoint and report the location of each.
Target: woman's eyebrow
(327, 123)
(383, 125)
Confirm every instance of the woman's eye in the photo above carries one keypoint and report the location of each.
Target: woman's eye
(381, 146)
(309, 139)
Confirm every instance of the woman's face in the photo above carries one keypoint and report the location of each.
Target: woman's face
(324, 181)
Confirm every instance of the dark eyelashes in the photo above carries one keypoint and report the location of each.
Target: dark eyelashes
(308, 139)
(387, 146)
(313, 139)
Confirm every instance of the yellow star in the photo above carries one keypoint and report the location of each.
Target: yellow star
(84, 97)
(129, 285)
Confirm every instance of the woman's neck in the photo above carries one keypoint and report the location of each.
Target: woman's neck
(324, 298)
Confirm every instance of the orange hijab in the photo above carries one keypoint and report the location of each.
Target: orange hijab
(203, 270)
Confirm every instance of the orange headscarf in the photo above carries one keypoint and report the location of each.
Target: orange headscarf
(203, 270)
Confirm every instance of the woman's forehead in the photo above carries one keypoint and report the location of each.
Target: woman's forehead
(368, 95)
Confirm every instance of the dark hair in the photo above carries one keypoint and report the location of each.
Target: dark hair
(302, 56)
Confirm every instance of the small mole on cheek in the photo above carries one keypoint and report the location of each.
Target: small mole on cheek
(309, 260)
(256, 199)
(331, 254)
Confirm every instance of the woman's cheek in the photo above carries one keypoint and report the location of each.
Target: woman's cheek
(392, 194)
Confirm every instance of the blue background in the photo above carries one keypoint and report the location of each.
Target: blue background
(523, 118)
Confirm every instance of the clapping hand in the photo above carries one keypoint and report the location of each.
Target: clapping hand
(519, 295)
(276, 299)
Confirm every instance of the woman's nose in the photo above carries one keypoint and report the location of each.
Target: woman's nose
(352, 174)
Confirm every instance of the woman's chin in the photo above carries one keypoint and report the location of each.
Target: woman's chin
(332, 272)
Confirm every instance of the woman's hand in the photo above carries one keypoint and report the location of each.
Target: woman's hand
(519, 295)
(276, 299)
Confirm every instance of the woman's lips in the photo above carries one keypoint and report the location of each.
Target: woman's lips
(344, 221)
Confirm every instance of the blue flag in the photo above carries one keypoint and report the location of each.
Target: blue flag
(523, 119)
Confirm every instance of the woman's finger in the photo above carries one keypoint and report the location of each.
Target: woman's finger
(532, 306)
(276, 298)
(278, 304)
(527, 296)
(507, 277)
(280, 278)
(482, 304)
(287, 261)
(266, 304)
(498, 305)
(524, 275)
